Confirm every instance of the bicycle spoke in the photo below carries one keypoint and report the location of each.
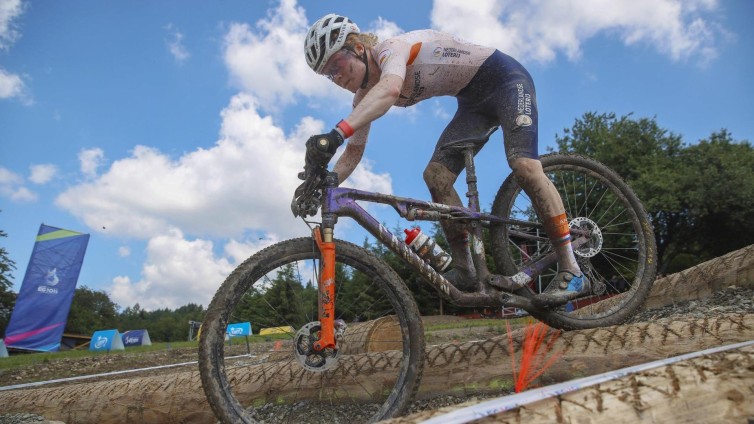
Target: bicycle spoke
(285, 296)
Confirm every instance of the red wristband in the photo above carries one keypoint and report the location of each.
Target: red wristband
(345, 127)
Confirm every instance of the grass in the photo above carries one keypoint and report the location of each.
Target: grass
(23, 359)
(20, 360)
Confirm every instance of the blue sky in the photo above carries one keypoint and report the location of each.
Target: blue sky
(172, 131)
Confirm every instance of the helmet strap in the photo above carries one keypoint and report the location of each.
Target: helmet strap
(366, 71)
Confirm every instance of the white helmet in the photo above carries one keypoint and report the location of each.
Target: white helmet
(325, 37)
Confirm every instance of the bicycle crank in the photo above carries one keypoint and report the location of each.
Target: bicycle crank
(306, 355)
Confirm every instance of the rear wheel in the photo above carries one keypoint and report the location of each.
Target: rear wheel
(278, 377)
(619, 258)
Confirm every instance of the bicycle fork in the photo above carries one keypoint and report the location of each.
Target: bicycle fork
(326, 288)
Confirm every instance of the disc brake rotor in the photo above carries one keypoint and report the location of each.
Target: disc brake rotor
(594, 245)
(303, 349)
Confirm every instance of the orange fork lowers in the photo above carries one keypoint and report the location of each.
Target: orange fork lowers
(326, 288)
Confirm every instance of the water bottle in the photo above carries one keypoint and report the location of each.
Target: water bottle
(427, 249)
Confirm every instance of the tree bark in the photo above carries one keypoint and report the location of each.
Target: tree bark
(717, 388)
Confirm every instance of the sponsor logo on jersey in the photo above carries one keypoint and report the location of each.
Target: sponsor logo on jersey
(384, 56)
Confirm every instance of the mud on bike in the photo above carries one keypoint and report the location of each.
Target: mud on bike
(347, 330)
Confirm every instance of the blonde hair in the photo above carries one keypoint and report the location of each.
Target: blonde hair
(367, 39)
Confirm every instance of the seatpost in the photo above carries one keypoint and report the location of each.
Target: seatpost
(473, 193)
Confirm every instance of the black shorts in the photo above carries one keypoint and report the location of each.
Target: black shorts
(500, 94)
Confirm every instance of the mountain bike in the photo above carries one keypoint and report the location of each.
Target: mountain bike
(346, 329)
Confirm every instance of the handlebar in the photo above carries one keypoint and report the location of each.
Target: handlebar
(308, 196)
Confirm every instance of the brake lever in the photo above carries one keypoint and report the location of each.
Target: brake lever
(307, 197)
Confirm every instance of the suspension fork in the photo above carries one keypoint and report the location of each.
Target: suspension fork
(326, 285)
(326, 288)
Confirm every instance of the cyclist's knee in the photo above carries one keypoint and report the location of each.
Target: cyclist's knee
(526, 170)
(438, 178)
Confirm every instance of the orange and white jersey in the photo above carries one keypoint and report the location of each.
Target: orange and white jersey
(431, 63)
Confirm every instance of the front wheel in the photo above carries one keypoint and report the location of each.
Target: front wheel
(275, 376)
(619, 258)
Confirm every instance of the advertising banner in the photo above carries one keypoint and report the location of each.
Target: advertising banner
(239, 329)
(44, 300)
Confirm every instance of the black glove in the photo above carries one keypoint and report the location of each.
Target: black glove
(321, 148)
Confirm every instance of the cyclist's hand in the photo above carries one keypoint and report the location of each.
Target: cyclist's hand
(321, 148)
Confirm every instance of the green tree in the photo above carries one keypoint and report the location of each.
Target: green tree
(693, 193)
(91, 310)
(718, 196)
(7, 296)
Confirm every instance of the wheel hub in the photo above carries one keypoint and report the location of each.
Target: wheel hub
(306, 355)
(594, 245)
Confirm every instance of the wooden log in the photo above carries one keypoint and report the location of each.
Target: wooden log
(733, 269)
(377, 335)
(450, 368)
(717, 388)
(698, 282)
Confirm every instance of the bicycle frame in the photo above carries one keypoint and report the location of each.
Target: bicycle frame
(338, 202)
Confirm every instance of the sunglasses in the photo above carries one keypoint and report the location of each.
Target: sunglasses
(336, 64)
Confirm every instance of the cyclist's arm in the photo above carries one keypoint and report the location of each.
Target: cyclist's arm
(377, 101)
(352, 154)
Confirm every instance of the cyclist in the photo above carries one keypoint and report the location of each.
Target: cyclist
(492, 89)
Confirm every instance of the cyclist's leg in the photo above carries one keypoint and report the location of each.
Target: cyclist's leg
(517, 110)
(440, 175)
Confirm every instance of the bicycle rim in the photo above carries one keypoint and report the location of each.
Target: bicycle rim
(275, 379)
(619, 258)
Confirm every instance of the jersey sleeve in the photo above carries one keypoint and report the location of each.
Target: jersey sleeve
(393, 56)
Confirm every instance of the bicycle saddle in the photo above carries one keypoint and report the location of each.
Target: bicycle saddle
(469, 142)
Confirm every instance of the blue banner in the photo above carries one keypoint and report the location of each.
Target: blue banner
(239, 329)
(106, 340)
(43, 303)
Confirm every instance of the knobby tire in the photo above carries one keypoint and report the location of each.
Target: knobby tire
(381, 296)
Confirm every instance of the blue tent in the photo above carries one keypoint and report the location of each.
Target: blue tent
(136, 338)
(106, 340)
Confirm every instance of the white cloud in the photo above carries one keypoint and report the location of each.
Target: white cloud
(175, 44)
(268, 60)
(124, 251)
(42, 174)
(9, 11)
(11, 85)
(23, 195)
(242, 185)
(177, 271)
(236, 192)
(384, 29)
(12, 187)
(90, 160)
(540, 29)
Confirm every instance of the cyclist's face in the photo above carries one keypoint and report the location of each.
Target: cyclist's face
(345, 69)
